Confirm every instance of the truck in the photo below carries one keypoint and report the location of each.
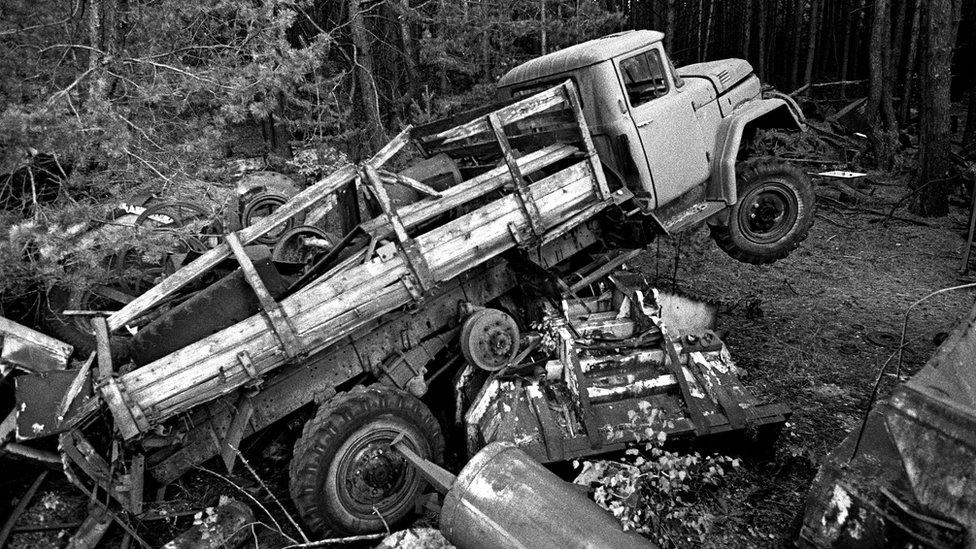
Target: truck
(480, 294)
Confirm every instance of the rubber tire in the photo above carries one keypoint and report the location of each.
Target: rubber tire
(339, 419)
(750, 175)
(65, 328)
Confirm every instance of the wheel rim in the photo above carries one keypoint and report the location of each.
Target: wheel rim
(373, 475)
(768, 212)
(261, 207)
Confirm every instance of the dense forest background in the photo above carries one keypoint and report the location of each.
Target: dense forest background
(109, 99)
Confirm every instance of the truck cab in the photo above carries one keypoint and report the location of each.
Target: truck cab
(674, 137)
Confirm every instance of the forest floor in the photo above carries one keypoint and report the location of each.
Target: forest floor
(810, 331)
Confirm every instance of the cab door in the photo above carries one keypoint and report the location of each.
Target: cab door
(671, 139)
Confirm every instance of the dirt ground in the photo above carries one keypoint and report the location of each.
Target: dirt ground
(810, 331)
(813, 330)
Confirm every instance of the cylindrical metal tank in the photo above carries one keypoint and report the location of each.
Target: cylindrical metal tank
(504, 499)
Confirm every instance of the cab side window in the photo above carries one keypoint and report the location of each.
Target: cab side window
(644, 77)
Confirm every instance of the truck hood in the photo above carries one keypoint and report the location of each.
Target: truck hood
(723, 74)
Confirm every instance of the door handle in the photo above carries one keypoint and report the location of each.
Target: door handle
(645, 124)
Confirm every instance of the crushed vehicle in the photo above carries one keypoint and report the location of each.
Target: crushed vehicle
(907, 476)
(478, 295)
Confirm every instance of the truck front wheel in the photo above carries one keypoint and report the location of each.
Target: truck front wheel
(772, 216)
(344, 475)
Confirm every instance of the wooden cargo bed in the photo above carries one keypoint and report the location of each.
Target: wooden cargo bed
(534, 194)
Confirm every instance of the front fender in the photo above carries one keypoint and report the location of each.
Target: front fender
(775, 111)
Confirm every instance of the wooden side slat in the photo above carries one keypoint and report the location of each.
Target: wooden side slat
(103, 346)
(523, 142)
(529, 207)
(596, 169)
(416, 213)
(516, 111)
(276, 319)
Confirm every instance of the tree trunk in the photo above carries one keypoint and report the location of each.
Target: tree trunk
(883, 137)
(699, 27)
(908, 74)
(794, 74)
(409, 56)
(669, 30)
(544, 23)
(747, 31)
(442, 32)
(969, 137)
(373, 133)
(761, 57)
(812, 44)
(709, 25)
(897, 44)
(846, 52)
(97, 84)
(932, 183)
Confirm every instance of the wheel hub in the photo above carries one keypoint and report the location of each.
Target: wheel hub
(376, 474)
(489, 339)
(768, 213)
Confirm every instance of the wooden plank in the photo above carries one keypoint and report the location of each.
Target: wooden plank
(137, 478)
(528, 142)
(277, 321)
(103, 347)
(599, 178)
(526, 203)
(421, 281)
(75, 388)
(717, 390)
(605, 269)
(393, 179)
(424, 132)
(375, 185)
(522, 109)
(123, 411)
(235, 432)
(386, 153)
(211, 258)
(423, 210)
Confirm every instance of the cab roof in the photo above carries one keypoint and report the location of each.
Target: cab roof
(580, 55)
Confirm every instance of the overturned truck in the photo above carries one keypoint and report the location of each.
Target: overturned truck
(480, 295)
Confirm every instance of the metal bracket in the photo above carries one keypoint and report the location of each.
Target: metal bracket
(245, 361)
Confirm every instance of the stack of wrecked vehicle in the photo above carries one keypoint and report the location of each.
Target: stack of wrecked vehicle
(479, 295)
